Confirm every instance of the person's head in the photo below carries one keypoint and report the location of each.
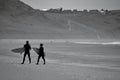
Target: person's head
(27, 42)
(41, 45)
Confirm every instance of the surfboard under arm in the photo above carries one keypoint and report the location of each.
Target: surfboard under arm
(18, 50)
(37, 50)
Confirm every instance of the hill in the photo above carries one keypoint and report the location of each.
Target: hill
(19, 20)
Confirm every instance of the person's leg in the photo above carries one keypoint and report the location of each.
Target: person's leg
(43, 59)
(24, 58)
(38, 59)
(29, 57)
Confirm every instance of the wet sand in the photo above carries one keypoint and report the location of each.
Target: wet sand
(65, 61)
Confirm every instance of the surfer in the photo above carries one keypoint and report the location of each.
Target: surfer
(27, 49)
(41, 54)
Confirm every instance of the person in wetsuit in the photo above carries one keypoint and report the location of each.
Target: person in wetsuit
(41, 54)
(27, 49)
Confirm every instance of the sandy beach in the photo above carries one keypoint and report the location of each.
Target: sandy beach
(65, 61)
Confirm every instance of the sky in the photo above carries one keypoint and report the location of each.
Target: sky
(74, 4)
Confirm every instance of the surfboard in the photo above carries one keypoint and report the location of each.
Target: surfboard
(18, 50)
(37, 50)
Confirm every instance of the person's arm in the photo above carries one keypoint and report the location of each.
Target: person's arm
(30, 47)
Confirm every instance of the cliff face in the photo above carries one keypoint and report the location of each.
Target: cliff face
(14, 7)
(18, 20)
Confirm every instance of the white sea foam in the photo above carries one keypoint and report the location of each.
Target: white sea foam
(63, 41)
(102, 43)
